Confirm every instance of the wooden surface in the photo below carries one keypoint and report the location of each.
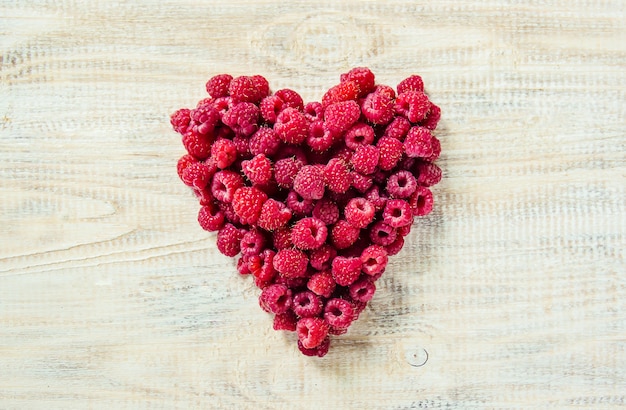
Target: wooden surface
(513, 289)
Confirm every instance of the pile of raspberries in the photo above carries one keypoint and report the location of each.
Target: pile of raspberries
(314, 197)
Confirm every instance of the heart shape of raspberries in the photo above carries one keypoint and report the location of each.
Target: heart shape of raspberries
(315, 196)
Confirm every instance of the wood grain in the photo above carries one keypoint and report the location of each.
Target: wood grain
(511, 294)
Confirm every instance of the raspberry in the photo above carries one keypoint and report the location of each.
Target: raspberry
(432, 118)
(362, 290)
(404, 230)
(270, 107)
(319, 351)
(418, 143)
(321, 257)
(326, 211)
(361, 182)
(285, 170)
(322, 283)
(218, 85)
(262, 267)
(275, 299)
(337, 176)
(398, 128)
(222, 105)
(374, 259)
(180, 120)
(258, 169)
(358, 135)
(343, 152)
(359, 212)
(291, 263)
(346, 271)
(264, 141)
(229, 212)
(396, 246)
(242, 118)
(363, 77)
(274, 215)
(224, 153)
(211, 218)
(413, 105)
(345, 91)
(429, 174)
(365, 159)
(196, 174)
(292, 283)
(204, 119)
(436, 145)
(199, 146)
(340, 116)
(228, 240)
(385, 90)
(390, 152)
(299, 205)
(309, 233)
(311, 331)
(376, 198)
(291, 98)
(306, 304)
(309, 182)
(314, 111)
(412, 83)
(252, 243)
(242, 266)
(285, 321)
(224, 185)
(319, 138)
(402, 184)
(382, 233)
(343, 234)
(247, 203)
(282, 238)
(378, 108)
(397, 213)
(338, 313)
(291, 126)
(421, 201)
(184, 162)
(248, 89)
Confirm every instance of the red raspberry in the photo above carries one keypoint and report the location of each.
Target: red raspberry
(374, 259)
(258, 169)
(413, 105)
(300, 206)
(184, 162)
(291, 126)
(337, 176)
(326, 211)
(224, 153)
(229, 212)
(362, 290)
(275, 299)
(309, 233)
(314, 111)
(391, 151)
(376, 198)
(242, 266)
(321, 257)
(311, 331)
(292, 283)
(218, 85)
(319, 138)
(247, 203)
(412, 83)
(436, 145)
(285, 170)
(345, 91)
(319, 351)
(385, 90)
(397, 213)
(340, 116)
(199, 146)
(196, 174)
(346, 270)
(274, 215)
(396, 246)
(363, 77)
(291, 98)
(248, 89)
(291, 263)
(309, 182)
(264, 141)
(404, 230)
(429, 174)
(228, 240)
(343, 152)
(322, 283)
(418, 143)
(242, 118)
(359, 212)
(204, 119)
(211, 218)
(262, 267)
(432, 118)
(224, 185)
(398, 128)
(365, 159)
(402, 184)
(285, 321)
(343, 235)
(382, 233)
(306, 304)
(361, 182)
(252, 243)
(180, 120)
(242, 144)
(378, 108)
(338, 313)
(270, 107)
(282, 238)
(222, 105)
(421, 201)
(358, 135)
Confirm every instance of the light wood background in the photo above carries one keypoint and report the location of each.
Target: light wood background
(511, 294)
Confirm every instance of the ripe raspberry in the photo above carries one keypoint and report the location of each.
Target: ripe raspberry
(385, 90)
(359, 212)
(252, 243)
(345, 91)
(228, 240)
(322, 257)
(311, 331)
(404, 230)
(362, 290)
(275, 299)
(396, 246)
(247, 203)
(224, 185)
(262, 268)
(242, 266)
(218, 85)
(199, 146)
(222, 105)
(343, 234)
(361, 182)
(224, 153)
(338, 313)
(204, 119)
(322, 283)
(291, 98)
(391, 151)
(402, 184)
(298, 205)
(264, 141)
(421, 201)
(291, 126)
(229, 213)
(365, 159)
(340, 116)
(314, 111)
(197, 175)
(358, 135)
(270, 107)
(432, 118)
(412, 83)
(292, 283)
(306, 304)
(285, 321)
(291, 263)
(382, 233)
(309, 182)
(337, 176)
(242, 118)
(346, 271)
(180, 120)
(248, 89)
(282, 238)
(397, 213)
(184, 162)
(376, 198)
(319, 351)
(211, 218)
(398, 128)
(309, 233)
(258, 169)
(342, 152)
(418, 143)
(285, 171)
(319, 138)
(436, 145)
(378, 108)
(413, 105)
(374, 260)
(429, 174)
(326, 211)
(274, 215)
(363, 77)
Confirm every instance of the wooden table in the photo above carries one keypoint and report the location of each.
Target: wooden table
(511, 294)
